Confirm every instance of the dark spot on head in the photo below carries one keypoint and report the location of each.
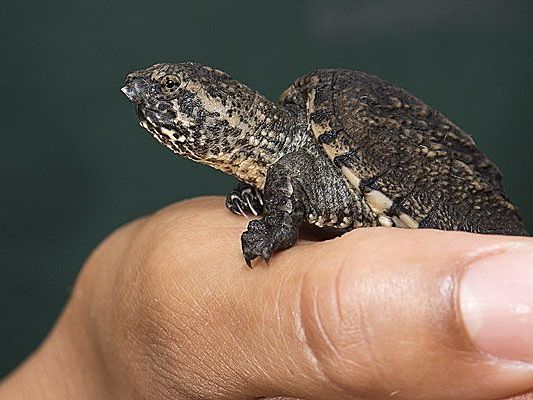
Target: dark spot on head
(328, 137)
(318, 116)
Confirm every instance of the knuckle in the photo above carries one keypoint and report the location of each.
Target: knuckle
(157, 322)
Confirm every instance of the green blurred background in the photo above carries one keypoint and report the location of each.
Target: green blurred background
(74, 165)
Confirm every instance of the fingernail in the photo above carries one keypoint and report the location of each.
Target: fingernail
(496, 302)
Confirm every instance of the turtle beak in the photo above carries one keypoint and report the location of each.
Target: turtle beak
(129, 92)
(134, 89)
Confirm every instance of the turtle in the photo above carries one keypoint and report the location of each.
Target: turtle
(340, 149)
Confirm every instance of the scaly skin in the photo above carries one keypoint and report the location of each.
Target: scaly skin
(341, 149)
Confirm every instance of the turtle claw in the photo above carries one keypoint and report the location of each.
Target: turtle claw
(235, 205)
(245, 200)
(249, 199)
(248, 262)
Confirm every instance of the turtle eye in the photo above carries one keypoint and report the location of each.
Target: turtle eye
(169, 83)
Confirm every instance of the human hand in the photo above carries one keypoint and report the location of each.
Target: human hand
(166, 308)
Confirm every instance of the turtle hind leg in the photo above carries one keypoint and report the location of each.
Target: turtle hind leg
(245, 200)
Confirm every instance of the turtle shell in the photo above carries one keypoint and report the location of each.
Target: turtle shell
(412, 165)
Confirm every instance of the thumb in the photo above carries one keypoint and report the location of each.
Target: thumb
(421, 314)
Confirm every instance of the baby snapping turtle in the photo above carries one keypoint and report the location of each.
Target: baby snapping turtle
(340, 149)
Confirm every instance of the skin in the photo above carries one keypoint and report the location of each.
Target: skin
(165, 308)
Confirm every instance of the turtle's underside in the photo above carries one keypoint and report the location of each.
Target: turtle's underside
(340, 149)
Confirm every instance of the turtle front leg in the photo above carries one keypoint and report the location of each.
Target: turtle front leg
(245, 200)
(283, 213)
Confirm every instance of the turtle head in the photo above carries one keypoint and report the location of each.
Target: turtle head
(196, 111)
(202, 114)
